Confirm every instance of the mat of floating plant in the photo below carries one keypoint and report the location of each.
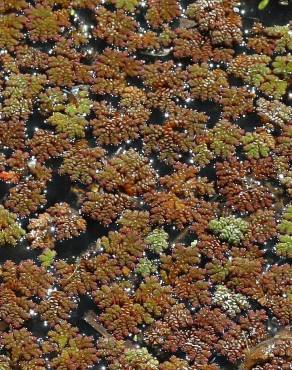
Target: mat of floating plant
(146, 216)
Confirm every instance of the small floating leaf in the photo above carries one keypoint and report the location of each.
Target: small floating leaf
(263, 4)
(47, 258)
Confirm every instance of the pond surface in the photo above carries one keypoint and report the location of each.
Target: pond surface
(182, 225)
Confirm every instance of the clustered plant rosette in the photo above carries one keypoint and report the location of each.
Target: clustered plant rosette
(188, 207)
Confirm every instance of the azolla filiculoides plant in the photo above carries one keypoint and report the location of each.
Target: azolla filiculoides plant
(145, 185)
